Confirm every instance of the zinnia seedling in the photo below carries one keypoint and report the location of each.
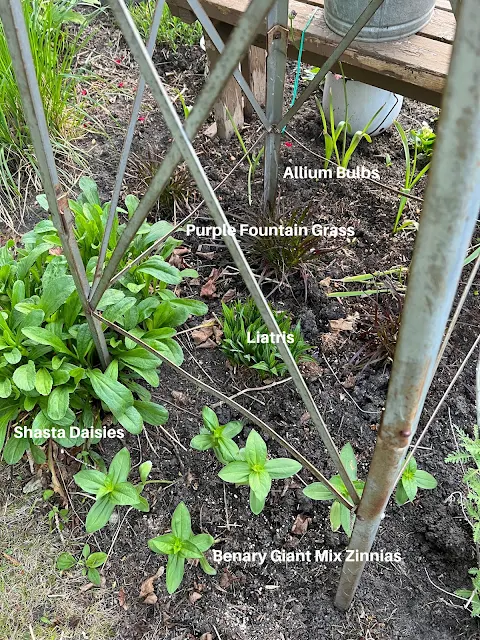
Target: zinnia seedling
(111, 489)
(340, 516)
(218, 437)
(255, 470)
(411, 481)
(182, 543)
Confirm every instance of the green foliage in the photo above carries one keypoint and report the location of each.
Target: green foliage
(332, 138)
(218, 437)
(110, 490)
(340, 516)
(48, 364)
(412, 176)
(424, 140)
(252, 468)
(242, 321)
(180, 544)
(472, 595)
(253, 160)
(54, 48)
(283, 253)
(88, 562)
(411, 481)
(469, 454)
(172, 31)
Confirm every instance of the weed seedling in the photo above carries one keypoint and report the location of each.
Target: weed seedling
(255, 470)
(181, 544)
(340, 516)
(412, 177)
(218, 437)
(89, 563)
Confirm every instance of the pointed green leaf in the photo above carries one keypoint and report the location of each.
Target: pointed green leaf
(280, 468)
(162, 544)
(175, 571)
(90, 480)
(318, 491)
(255, 449)
(120, 466)
(425, 480)
(181, 522)
(235, 472)
(99, 514)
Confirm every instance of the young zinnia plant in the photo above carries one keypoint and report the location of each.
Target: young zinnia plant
(340, 516)
(255, 470)
(111, 490)
(181, 544)
(411, 481)
(218, 437)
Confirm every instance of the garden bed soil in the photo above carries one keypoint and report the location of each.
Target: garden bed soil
(290, 601)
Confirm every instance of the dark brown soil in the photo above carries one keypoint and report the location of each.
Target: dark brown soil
(395, 601)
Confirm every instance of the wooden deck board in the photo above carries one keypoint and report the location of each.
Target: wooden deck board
(416, 67)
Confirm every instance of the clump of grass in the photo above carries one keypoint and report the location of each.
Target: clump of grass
(283, 253)
(242, 323)
(172, 31)
(35, 600)
(54, 47)
(142, 169)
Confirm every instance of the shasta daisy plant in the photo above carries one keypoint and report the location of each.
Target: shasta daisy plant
(254, 469)
(181, 544)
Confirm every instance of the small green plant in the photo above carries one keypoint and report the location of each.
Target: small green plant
(340, 516)
(411, 481)
(88, 563)
(247, 341)
(390, 281)
(469, 454)
(424, 139)
(253, 160)
(181, 544)
(218, 437)
(343, 154)
(412, 176)
(112, 489)
(172, 31)
(255, 470)
(56, 514)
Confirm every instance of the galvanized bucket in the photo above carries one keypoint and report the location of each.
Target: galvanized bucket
(394, 19)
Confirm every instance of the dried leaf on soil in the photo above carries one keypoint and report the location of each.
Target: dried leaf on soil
(229, 296)
(122, 600)
(147, 588)
(194, 596)
(209, 288)
(300, 525)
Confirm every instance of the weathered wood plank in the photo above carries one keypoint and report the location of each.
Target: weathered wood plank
(254, 72)
(417, 66)
(231, 98)
(441, 27)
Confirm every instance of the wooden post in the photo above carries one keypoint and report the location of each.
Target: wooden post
(231, 97)
(254, 72)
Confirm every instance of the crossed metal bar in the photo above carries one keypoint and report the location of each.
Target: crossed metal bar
(439, 234)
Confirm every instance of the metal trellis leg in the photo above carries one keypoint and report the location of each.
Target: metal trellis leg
(277, 42)
(450, 213)
(11, 14)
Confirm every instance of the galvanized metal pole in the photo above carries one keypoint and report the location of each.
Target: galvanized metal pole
(233, 52)
(183, 142)
(450, 213)
(11, 14)
(212, 33)
(277, 43)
